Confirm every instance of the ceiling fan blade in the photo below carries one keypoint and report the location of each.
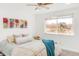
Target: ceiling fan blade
(44, 6)
(31, 5)
(36, 8)
(45, 3)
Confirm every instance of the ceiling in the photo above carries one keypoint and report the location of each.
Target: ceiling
(30, 9)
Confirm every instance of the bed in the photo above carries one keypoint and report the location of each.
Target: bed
(32, 48)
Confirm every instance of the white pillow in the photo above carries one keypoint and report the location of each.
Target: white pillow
(21, 40)
(11, 39)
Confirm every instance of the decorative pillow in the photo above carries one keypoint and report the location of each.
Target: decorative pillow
(37, 37)
(6, 47)
(21, 40)
(11, 39)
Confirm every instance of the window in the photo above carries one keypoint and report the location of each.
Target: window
(59, 26)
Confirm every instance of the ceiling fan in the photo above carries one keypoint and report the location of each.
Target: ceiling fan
(40, 5)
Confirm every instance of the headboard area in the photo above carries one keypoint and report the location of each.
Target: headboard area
(21, 35)
(19, 39)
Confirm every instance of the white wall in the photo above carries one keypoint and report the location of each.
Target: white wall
(69, 42)
(18, 11)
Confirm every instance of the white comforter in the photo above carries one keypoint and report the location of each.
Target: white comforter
(34, 48)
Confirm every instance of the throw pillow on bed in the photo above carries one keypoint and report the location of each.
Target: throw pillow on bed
(11, 39)
(21, 40)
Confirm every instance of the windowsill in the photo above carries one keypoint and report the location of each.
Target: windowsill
(50, 33)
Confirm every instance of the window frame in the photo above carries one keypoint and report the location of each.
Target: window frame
(70, 16)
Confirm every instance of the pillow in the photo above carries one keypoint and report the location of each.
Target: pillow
(21, 40)
(11, 39)
(37, 36)
(6, 48)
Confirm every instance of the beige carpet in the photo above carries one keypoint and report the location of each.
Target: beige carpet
(69, 53)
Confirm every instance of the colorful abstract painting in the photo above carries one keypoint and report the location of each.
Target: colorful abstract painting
(23, 24)
(11, 24)
(14, 23)
(5, 22)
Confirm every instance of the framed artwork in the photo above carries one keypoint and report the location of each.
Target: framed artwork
(62, 25)
(5, 22)
(14, 23)
(23, 24)
(11, 24)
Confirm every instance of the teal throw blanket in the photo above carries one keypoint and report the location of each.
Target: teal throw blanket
(50, 47)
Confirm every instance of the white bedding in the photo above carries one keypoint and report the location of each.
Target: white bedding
(34, 48)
